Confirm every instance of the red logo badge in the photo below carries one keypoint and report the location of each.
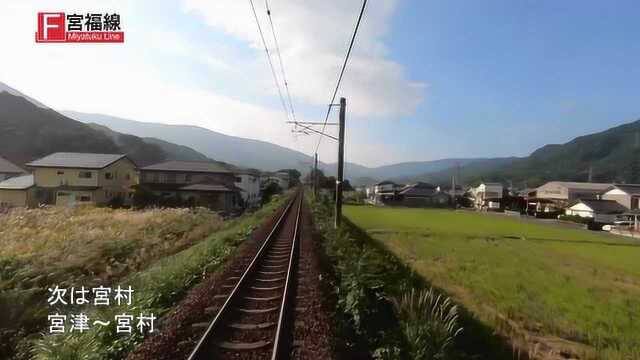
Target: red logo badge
(92, 27)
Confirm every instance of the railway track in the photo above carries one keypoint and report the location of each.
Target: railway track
(253, 320)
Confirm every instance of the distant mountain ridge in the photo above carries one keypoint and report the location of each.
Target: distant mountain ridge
(612, 156)
(30, 130)
(239, 151)
(255, 153)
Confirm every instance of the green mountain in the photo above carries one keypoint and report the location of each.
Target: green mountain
(29, 130)
(612, 155)
(149, 150)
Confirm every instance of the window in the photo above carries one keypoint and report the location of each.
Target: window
(128, 176)
(156, 178)
(85, 198)
(85, 174)
(171, 178)
(60, 172)
(238, 179)
(634, 203)
(108, 175)
(62, 193)
(187, 178)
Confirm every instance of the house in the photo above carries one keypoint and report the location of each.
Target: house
(249, 181)
(69, 179)
(9, 170)
(487, 196)
(627, 195)
(602, 211)
(383, 192)
(19, 191)
(193, 183)
(447, 189)
(554, 196)
(422, 194)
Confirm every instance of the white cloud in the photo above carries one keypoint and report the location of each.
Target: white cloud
(313, 37)
(150, 77)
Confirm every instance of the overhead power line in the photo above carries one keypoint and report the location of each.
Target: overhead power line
(273, 71)
(284, 77)
(344, 66)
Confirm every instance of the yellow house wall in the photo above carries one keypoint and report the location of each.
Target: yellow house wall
(13, 198)
(50, 177)
(123, 176)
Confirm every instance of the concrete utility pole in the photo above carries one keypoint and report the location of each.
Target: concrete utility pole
(343, 106)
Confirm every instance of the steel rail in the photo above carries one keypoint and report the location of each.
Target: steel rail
(278, 346)
(204, 347)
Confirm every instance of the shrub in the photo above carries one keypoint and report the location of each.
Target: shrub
(576, 219)
(429, 323)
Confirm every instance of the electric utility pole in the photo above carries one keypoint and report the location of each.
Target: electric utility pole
(315, 177)
(343, 106)
(307, 129)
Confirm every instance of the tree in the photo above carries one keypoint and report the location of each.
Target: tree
(346, 186)
(321, 178)
(271, 189)
(294, 176)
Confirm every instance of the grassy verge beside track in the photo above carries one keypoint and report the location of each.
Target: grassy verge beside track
(367, 281)
(157, 290)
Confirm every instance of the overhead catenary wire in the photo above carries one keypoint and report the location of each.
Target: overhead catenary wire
(266, 49)
(277, 46)
(344, 66)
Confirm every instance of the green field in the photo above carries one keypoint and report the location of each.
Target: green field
(538, 283)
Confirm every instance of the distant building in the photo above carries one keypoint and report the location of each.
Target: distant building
(192, 183)
(554, 196)
(9, 170)
(458, 191)
(601, 211)
(68, 179)
(487, 196)
(19, 191)
(384, 192)
(627, 195)
(422, 195)
(249, 181)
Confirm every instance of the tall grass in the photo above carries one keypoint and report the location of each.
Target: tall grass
(430, 323)
(376, 316)
(83, 246)
(158, 289)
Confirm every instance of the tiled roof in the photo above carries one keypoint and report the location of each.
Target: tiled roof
(188, 166)
(419, 189)
(17, 183)
(386, 182)
(581, 185)
(77, 160)
(8, 167)
(604, 206)
(631, 189)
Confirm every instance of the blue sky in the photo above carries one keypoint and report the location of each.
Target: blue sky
(427, 79)
(509, 76)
